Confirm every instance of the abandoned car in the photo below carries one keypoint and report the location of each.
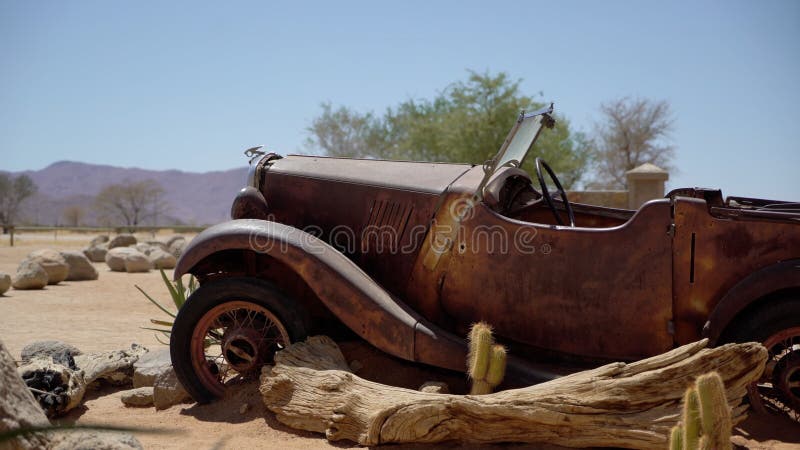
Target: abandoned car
(408, 255)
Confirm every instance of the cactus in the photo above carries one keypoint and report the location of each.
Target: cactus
(486, 361)
(706, 419)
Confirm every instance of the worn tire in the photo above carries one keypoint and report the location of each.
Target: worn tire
(212, 294)
(776, 320)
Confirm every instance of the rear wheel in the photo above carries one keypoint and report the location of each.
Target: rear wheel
(227, 330)
(777, 326)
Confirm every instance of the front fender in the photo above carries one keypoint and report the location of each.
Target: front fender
(353, 296)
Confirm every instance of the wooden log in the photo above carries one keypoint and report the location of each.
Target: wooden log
(616, 405)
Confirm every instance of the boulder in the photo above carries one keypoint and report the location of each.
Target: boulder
(177, 247)
(30, 275)
(142, 396)
(95, 440)
(80, 268)
(173, 238)
(149, 366)
(162, 259)
(53, 263)
(127, 259)
(18, 408)
(115, 367)
(158, 244)
(168, 391)
(101, 239)
(143, 248)
(434, 387)
(122, 240)
(5, 282)
(48, 349)
(137, 262)
(96, 253)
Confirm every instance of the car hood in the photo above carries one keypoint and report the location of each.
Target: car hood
(425, 177)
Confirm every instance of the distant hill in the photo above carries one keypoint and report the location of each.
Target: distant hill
(195, 198)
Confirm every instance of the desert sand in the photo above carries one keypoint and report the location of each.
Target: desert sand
(108, 314)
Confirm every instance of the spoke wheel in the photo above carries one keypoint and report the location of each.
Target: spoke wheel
(227, 330)
(233, 341)
(778, 389)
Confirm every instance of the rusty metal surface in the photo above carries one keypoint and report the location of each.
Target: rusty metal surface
(713, 254)
(403, 255)
(340, 284)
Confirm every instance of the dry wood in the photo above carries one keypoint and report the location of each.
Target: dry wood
(617, 405)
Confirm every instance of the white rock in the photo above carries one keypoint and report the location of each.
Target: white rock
(30, 275)
(117, 259)
(168, 391)
(96, 253)
(101, 239)
(435, 387)
(47, 349)
(95, 440)
(149, 366)
(177, 247)
(80, 268)
(18, 408)
(5, 282)
(122, 240)
(53, 263)
(142, 396)
(137, 262)
(162, 259)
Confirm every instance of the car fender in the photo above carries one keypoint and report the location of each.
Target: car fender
(347, 291)
(774, 278)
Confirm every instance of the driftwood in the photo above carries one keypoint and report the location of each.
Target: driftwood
(617, 405)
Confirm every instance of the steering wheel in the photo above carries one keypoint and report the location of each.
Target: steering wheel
(546, 193)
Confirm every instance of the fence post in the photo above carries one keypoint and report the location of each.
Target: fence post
(11, 232)
(645, 183)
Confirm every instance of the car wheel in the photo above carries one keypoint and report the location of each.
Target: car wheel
(777, 326)
(227, 330)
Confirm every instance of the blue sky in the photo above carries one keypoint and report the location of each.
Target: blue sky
(190, 85)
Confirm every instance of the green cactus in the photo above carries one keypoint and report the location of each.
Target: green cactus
(706, 420)
(486, 360)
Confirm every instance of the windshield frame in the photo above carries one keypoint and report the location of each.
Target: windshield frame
(520, 140)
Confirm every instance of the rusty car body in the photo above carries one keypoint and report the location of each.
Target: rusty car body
(408, 254)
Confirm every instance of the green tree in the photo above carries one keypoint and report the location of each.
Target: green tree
(13, 191)
(467, 122)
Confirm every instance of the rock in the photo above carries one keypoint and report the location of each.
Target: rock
(101, 239)
(435, 387)
(18, 408)
(48, 349)
(161, 259)
(149, 366)
(158, 244)
(58, 388)
(115, 367)
(80, 268)
(96, 253)
(122, 240)
(53, 263)
(95, 440)
(168, 391)
(142, 396)
(173, 238)
(117, 260)
(137, 262)
(355, 365)
(30, 275)
(177, 246)
(5, 282)
(143, 248)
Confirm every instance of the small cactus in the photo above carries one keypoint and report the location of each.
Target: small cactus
(486, 361)
(706, 420)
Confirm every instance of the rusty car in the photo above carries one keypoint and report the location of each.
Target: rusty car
(407, 255)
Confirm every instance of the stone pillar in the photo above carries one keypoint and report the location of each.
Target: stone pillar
(645, 182)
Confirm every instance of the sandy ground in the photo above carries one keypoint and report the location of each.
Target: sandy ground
(107, 314)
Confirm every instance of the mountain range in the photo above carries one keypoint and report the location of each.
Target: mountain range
(193, 198)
